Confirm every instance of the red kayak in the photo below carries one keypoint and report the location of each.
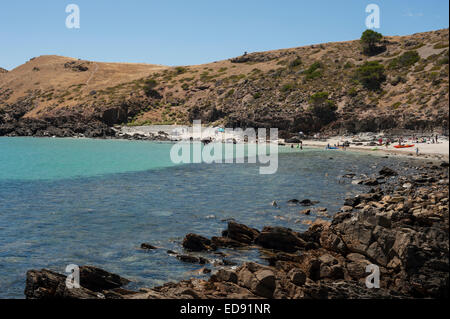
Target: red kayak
(403, 146)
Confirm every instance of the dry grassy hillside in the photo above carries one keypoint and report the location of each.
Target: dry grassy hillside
(271, 88)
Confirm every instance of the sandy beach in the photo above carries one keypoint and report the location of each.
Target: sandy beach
(357, 143)
(426, 150)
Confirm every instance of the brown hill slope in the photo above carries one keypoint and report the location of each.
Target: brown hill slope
(63, 96)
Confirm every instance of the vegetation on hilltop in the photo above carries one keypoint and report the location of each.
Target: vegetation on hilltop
(370, 41)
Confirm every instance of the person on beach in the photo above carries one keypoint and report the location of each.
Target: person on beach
(417, 151)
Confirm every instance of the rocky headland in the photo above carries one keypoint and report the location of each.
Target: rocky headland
(335, 88)
(400, 225)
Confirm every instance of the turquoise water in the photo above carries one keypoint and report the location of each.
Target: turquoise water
(37, 158)
(80, 201)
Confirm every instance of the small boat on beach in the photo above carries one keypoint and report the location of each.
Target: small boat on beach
(404, 146)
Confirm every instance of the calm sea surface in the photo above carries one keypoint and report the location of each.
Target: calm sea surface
(93, 202)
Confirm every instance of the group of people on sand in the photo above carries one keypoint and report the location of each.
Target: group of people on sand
(434, 139)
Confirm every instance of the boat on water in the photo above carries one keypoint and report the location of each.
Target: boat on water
(404, 146)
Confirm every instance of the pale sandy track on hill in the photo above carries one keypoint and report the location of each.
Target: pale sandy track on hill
(92, 75)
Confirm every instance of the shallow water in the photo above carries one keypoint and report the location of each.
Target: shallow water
(70, 201)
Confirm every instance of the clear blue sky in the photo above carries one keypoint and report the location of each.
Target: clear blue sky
(181, 32)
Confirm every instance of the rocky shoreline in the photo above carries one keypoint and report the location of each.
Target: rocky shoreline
(401, 225)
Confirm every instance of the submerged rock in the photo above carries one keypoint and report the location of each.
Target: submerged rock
(193, 259)
(386, 171)
(148, 246)
(308, 202)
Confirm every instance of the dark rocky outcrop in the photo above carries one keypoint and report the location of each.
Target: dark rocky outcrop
(13, 123)
(226, 242)
(194, 242)
(280, 238)
(95, 284)
(77, 66)
(240, 233)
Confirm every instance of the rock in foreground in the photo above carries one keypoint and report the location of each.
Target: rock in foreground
(95, 283)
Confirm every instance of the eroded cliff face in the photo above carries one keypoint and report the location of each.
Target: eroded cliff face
(264, 89)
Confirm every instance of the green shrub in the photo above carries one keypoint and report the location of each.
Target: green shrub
(370, 40)
(318, 98)
(396, 105)
(442, 61)
(434, 78)
(322, 107)
(371, 75)
(185, 86)
(315, 75)
(150, 83)
(287, 87)
(352, 92)
(257, 95)
(314, 67)
(313, 72)
(149, 88)
(180, 70)
(230, 93)
(348, 65)
(407, 59)
(236, 78)
(296, 62)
